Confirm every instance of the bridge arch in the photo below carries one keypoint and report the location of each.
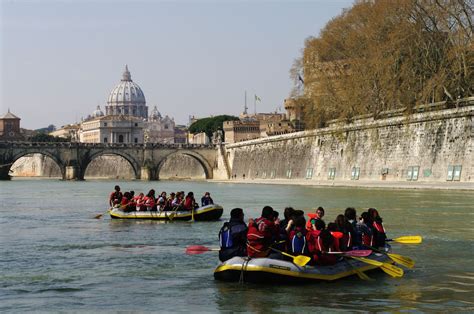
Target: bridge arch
(8, 165)
(198, 157)
(132, 161)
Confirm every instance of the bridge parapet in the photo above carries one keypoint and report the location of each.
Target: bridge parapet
(103, 145)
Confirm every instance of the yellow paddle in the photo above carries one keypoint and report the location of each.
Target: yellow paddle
(397, 258)
(100, 215)
(390, 269)
(299, 260)
(407, 239)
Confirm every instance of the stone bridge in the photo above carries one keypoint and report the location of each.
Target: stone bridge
(73, 158)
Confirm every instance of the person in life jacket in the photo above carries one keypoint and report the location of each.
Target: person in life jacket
(378, 230)
(115, 197)
(336, 234)
(287, 213)
(363, 231)
(319, 246)
(169, 201)
(345, 227)
(126, 201)
(207, 199)
(233, 236)
(262, 233)
(189, 202)
(297, 236)
(149, 201)
(351, 217)
(313, 217)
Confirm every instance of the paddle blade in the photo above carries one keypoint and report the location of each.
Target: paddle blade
(358, 253)
(301, 260)
(98, 216)
(362, 275)
(408, 239)
(367, 261)
(392, 270)
(402, 260)
(197, 249)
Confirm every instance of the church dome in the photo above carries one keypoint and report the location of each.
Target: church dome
(97, 112)
(127, 98)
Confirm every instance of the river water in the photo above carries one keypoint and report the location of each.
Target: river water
(56, 257)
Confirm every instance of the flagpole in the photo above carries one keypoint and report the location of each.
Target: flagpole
(255, 105)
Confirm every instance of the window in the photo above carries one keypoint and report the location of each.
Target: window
(272, 174)
(120, 138)
(288, 173)
(412, 173)
(136, 124)
(355, 173)
(309, 173)
(332, 173)
(166, 126)
(105, 123)
(105, 140)
(136, 140)
(454, 173)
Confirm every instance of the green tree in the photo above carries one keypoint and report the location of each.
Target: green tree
(210, 124)
(43, 137)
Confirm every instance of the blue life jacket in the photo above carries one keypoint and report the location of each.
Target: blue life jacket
(225, 236)
(298, 243)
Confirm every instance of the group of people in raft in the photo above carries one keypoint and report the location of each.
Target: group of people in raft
(296, 235)
(129, 202)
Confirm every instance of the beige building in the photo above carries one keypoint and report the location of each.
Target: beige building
(112, 129)
(237, 131)
(159, 129)
(198, 138)
(68, 131)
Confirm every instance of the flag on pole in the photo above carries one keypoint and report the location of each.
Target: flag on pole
(257, 98)
(300, 79)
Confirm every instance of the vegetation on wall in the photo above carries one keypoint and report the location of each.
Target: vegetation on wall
(43, 137)
(387, 54)
(210, 125)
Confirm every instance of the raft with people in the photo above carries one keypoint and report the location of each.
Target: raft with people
(270, 270)
(176, 206)
(204, 213)
(294, 249)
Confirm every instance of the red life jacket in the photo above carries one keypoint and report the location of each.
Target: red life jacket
(116, 197)
(378, 234)
(317, 251)
(311, 216)
(124, 201)
(259, 237)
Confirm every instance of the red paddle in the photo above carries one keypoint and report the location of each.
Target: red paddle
(356, 253)
(199, 249)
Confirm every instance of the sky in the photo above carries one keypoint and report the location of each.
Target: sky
(60, 59)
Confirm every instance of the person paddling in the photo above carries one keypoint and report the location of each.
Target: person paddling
(262, 232)
(233, 236)
(115, 197)
(378, 230)
(207, 199)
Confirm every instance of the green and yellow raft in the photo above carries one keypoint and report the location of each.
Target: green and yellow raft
(268, 270)
(205, 213)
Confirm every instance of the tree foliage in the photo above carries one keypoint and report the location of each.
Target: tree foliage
(43, 137)
(210, 124)
(387, 54)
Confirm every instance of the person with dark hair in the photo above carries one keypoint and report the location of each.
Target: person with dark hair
(149, 201)
(206, 199)
(233, 236)
(288, 214)
(363, 231)
(378, 230)
(262, 233)
(297, 236)
(161, 202)
(115, 197)
(189, 202)
(169, 201)
(319, 246)
(343, 226)
(313, 217)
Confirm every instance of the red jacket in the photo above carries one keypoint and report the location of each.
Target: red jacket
(318, 250)
(261, 234)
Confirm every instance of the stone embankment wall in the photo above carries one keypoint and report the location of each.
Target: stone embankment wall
(433, 146)
(180, 167)
(108, 167)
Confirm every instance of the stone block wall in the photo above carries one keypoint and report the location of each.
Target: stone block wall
(424, 146)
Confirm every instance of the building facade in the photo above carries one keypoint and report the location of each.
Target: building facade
(159, 129)
(112, 129)
(10, 127)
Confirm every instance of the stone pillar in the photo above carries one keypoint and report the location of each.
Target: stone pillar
(145, 173)
(71, 173)
(4, 170)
